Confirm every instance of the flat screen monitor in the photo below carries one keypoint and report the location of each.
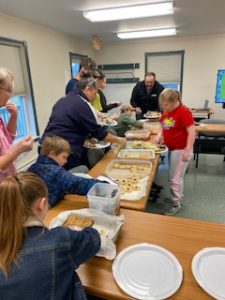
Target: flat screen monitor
(220, 87)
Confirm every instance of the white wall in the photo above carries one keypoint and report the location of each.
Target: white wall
(48, 52)
(204, 55)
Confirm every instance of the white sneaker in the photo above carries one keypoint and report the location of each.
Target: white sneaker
(172, 210)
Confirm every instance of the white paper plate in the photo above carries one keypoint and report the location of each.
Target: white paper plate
(208, 267)
(112, 123)
(147, 272)
(152, 117)
(143, 120)
(162, 151)
(97, 146)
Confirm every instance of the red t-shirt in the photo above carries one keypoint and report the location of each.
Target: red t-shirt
(174, 127)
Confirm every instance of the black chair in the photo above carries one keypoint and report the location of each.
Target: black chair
(209, 143)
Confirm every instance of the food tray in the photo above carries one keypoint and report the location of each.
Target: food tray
(137, 154)
(108, 227)
(132, 175)
(146, 145)
(141, 134)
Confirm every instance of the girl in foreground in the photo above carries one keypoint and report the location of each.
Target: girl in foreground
(179, 136)
(9, 152)
(35, 262)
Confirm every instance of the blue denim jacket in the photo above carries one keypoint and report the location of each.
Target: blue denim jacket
(47, 261)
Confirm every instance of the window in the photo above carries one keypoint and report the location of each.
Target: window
(168, 67)
(14, 56)
(75, 60)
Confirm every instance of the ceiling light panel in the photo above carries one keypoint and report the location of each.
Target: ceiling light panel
(129, 12)
(147, 33)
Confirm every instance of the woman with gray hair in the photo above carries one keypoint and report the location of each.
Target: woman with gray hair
(8, 151)
(74, 119)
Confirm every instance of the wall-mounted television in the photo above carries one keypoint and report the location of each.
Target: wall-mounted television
(220, 87)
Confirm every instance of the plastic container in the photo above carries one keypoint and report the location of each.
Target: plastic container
(141, 134)
(137, 154)
(104, 197)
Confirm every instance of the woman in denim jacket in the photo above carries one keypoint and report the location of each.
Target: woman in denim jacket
(35, 262)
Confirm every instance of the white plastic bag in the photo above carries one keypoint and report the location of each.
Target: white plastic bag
(108, 227)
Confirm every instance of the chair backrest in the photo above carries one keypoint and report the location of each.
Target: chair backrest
(212, 121)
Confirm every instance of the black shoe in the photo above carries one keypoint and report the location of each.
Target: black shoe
(154, 193)
(152, 199)
(156, 186)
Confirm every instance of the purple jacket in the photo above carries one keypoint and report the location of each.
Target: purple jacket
(73, 120)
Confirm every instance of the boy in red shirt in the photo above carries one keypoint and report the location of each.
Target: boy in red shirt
(178, 132)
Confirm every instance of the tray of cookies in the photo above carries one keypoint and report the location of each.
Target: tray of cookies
(132, 175)
(136, 154)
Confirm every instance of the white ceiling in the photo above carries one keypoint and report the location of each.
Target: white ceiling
(191, 17)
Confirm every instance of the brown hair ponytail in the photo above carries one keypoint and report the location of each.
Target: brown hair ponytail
(17, 194)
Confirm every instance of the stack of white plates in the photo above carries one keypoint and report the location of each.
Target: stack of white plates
(147, 272)
(208, 267)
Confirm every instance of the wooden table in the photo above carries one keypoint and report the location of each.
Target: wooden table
(211, 128)
(99, 169)
(183, 237)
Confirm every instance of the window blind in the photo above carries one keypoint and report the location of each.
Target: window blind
(11, 59)
(168, 67)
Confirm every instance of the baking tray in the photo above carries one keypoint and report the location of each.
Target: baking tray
(132, 175)
(144, 154)
(141, 134)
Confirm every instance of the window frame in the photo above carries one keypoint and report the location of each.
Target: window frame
(26, 66)
(77, 56)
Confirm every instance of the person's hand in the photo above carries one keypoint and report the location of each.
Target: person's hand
(12, 109)
(138, 110)
(26, 144)
(99, 114)
(187, 154)
(115, 116)
(158, 139)
(121, 141)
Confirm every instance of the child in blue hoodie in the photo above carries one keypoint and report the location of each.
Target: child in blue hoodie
(49, 166)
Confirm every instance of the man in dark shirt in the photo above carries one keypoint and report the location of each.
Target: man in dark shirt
(145, 95)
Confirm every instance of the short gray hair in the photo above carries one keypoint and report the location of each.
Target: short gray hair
(87, 82)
